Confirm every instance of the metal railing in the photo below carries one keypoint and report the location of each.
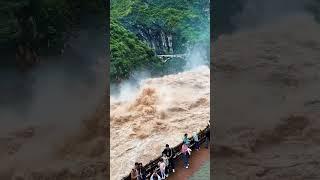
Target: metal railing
(153, 164)
(165, 58)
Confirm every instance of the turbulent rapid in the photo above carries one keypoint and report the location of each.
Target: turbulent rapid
(160, 113)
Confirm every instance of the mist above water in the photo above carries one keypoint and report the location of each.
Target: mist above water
(173, 104)
(144, 109)
(196, 56)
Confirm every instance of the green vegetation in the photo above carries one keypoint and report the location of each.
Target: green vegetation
(187, 20)
(142, 28)
(128, 53)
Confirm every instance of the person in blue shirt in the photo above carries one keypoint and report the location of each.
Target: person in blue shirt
(186, 140)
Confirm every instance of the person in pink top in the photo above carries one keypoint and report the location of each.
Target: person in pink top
(184, 153)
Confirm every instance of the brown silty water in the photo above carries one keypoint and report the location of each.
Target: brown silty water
(162, 111)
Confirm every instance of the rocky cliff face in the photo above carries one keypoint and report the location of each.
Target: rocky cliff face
(158, 40)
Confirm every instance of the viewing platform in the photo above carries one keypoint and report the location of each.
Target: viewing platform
(197, 159)
(165, 58)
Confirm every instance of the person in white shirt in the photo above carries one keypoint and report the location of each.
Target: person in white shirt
(169, 152)
(166, 161)
(162, 166)
(196, 141)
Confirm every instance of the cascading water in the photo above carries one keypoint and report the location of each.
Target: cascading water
(161, 111)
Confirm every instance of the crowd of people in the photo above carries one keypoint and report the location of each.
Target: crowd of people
(166, 164)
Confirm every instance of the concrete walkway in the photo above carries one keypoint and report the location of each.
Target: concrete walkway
(197, 159)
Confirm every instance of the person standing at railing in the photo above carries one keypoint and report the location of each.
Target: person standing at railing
(186, 140)
(207, 137)
(166, 162)
(170, 154)
(134, 172)
(142, 172)
(196, 141)
(184, 153)
(162, 167)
